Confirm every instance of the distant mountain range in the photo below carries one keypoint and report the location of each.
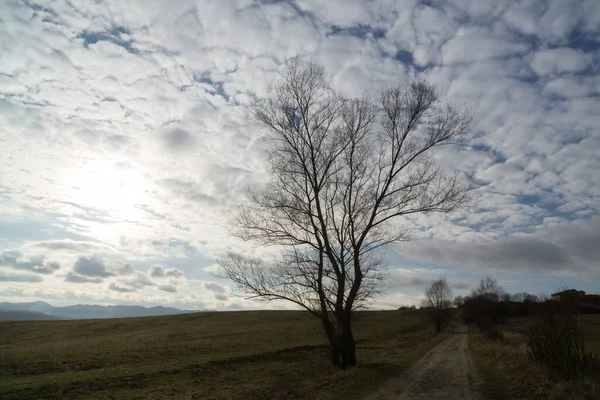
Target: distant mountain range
(42, 311)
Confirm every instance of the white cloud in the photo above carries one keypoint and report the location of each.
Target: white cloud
(158, 271)
(18, 260)
(92, 267)
(574, 86)
(479, 44)
(168, 288)
(71, 245)
(121, 289)
(214, 287)
(138, 281)
(123, 269)
(11, 276)
(558, 61)
(220, 297)
(75, 278)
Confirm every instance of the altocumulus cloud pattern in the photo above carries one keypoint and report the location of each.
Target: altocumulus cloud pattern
(126, 144)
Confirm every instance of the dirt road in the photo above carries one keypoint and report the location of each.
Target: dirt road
(445, 372)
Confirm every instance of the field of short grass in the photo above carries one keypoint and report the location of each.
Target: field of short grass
(509, 373)
(233, 355)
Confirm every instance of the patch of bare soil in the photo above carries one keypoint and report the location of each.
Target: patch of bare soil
(445, 372)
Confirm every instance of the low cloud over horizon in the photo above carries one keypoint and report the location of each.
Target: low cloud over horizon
(127, 144)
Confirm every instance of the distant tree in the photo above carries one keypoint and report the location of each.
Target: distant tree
(522, 297)
(401, 308)
(487, 303)
(531, 298)
(542, 297)
(517, 297)
(439, 297)
(342, 169)
(489, 289)
(459, 301)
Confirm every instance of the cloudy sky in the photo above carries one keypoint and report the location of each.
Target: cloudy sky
(125, 144)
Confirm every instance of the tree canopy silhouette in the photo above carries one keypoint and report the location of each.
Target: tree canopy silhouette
(439, 297)
(344, 171)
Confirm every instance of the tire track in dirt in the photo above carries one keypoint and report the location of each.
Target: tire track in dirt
(445, 372)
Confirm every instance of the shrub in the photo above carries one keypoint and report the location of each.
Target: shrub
(476, 308)
(556, 343)
(487, 326)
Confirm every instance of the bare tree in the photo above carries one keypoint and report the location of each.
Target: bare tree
(439, 297)
(523, 297)
(342, 169)
(489, 289)
(459, 301)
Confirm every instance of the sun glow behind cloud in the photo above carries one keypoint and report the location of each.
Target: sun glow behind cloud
(116, 190)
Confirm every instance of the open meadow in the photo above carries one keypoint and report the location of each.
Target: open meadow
(228, 355)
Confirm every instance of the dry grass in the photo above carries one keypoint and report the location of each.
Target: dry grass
(241, 355)
(510, 373)
(556, 342)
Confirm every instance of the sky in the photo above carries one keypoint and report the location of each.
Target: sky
(126, 143)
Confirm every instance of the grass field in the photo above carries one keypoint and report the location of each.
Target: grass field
(509, 373)
(236, 355)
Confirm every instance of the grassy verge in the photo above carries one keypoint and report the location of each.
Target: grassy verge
(244, 355)
(509, 373)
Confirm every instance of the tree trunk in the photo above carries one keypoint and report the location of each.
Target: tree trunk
(341, 343)
(334, 348)
(348, 346)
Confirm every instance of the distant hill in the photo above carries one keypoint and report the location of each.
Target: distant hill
(23, 315)
(39, 310)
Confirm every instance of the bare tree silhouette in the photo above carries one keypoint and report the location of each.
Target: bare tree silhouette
(439, 296)
(342, 169)
(489, 289)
